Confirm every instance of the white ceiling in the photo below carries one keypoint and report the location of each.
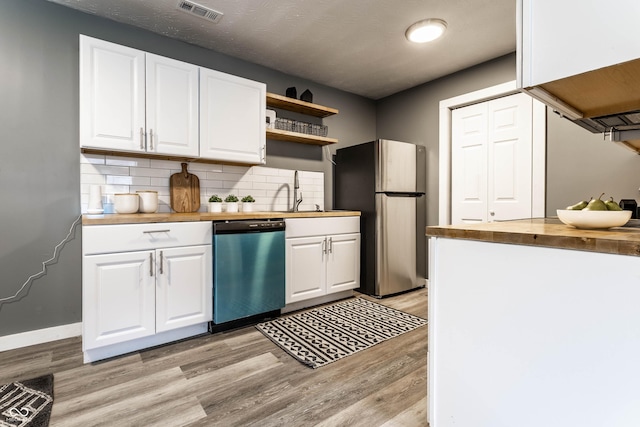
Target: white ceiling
(353, 45)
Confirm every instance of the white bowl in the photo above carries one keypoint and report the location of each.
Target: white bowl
(593, 219)
(126, 203)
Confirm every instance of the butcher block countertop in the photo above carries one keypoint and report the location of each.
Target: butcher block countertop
(547, 232)
(141, 218)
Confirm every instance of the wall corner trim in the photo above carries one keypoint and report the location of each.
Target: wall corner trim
(40, 336)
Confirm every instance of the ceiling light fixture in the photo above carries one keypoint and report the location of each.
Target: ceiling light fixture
(426, 30)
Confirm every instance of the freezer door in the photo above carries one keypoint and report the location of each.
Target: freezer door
(395, 244)
(395, 166)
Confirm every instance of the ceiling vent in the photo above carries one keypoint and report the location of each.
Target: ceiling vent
(201, 11)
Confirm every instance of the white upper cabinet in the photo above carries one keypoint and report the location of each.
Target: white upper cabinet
(570, 37)
(172, 106)
(138, 102)
(135, 101)
(580, 58)
(232, 118)
(112, 96)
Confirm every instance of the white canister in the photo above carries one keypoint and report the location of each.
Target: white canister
(126, 203)
(148, 201)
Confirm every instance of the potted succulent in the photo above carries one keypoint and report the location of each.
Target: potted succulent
(232, 203)
(215, 203)
(247, 203)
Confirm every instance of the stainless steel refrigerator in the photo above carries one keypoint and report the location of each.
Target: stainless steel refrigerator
(386, 180)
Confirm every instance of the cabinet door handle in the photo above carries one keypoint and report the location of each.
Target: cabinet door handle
(330, 245)
(141, 138)
(151, 139)
(324, 246)
(161, 261)
(157, 231)
(151, 265)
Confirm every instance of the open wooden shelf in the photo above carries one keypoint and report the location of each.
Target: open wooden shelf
(284, 135)
(292, 104)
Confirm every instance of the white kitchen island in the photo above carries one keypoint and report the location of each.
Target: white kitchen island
(534, 323)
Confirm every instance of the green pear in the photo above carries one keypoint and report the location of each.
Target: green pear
(612, 206)
(578, 206)
(596, 205)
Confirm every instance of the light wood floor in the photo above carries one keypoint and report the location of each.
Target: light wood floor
(236, 378)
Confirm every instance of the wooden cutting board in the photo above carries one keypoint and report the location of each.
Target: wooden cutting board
(184, 188)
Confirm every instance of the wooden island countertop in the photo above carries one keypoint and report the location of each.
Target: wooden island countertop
(547, 232)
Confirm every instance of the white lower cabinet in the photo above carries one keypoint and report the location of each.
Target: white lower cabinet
(118, 298)
(143, 285)
(322, 256)
(183, 287)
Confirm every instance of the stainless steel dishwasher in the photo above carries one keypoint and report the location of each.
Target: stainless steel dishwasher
(248, 271)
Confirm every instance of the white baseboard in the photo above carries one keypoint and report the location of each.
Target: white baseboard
(316, 301)
(39, 336)
(100, 353)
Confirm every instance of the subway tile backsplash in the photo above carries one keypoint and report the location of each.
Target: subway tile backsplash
(271, 188)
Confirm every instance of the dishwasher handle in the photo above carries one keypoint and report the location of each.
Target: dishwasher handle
(255, 226)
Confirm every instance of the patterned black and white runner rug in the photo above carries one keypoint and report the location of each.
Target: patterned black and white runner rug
(26, 403)
(326, 334)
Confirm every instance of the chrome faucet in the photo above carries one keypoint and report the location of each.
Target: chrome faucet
(296, 186)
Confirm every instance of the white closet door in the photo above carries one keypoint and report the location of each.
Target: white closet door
(469, 164)
(491, 160)
(510, 158)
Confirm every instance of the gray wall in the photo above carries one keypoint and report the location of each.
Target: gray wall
(39, 148)
(413, 115)
(581, 165)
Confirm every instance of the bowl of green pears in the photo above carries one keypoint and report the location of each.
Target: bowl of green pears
(594, 214)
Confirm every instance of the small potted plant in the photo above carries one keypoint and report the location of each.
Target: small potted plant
(232, 203)
(247, 203)
(215, 203)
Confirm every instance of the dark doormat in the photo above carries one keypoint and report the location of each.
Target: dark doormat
(27, 403)
(326, 334)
